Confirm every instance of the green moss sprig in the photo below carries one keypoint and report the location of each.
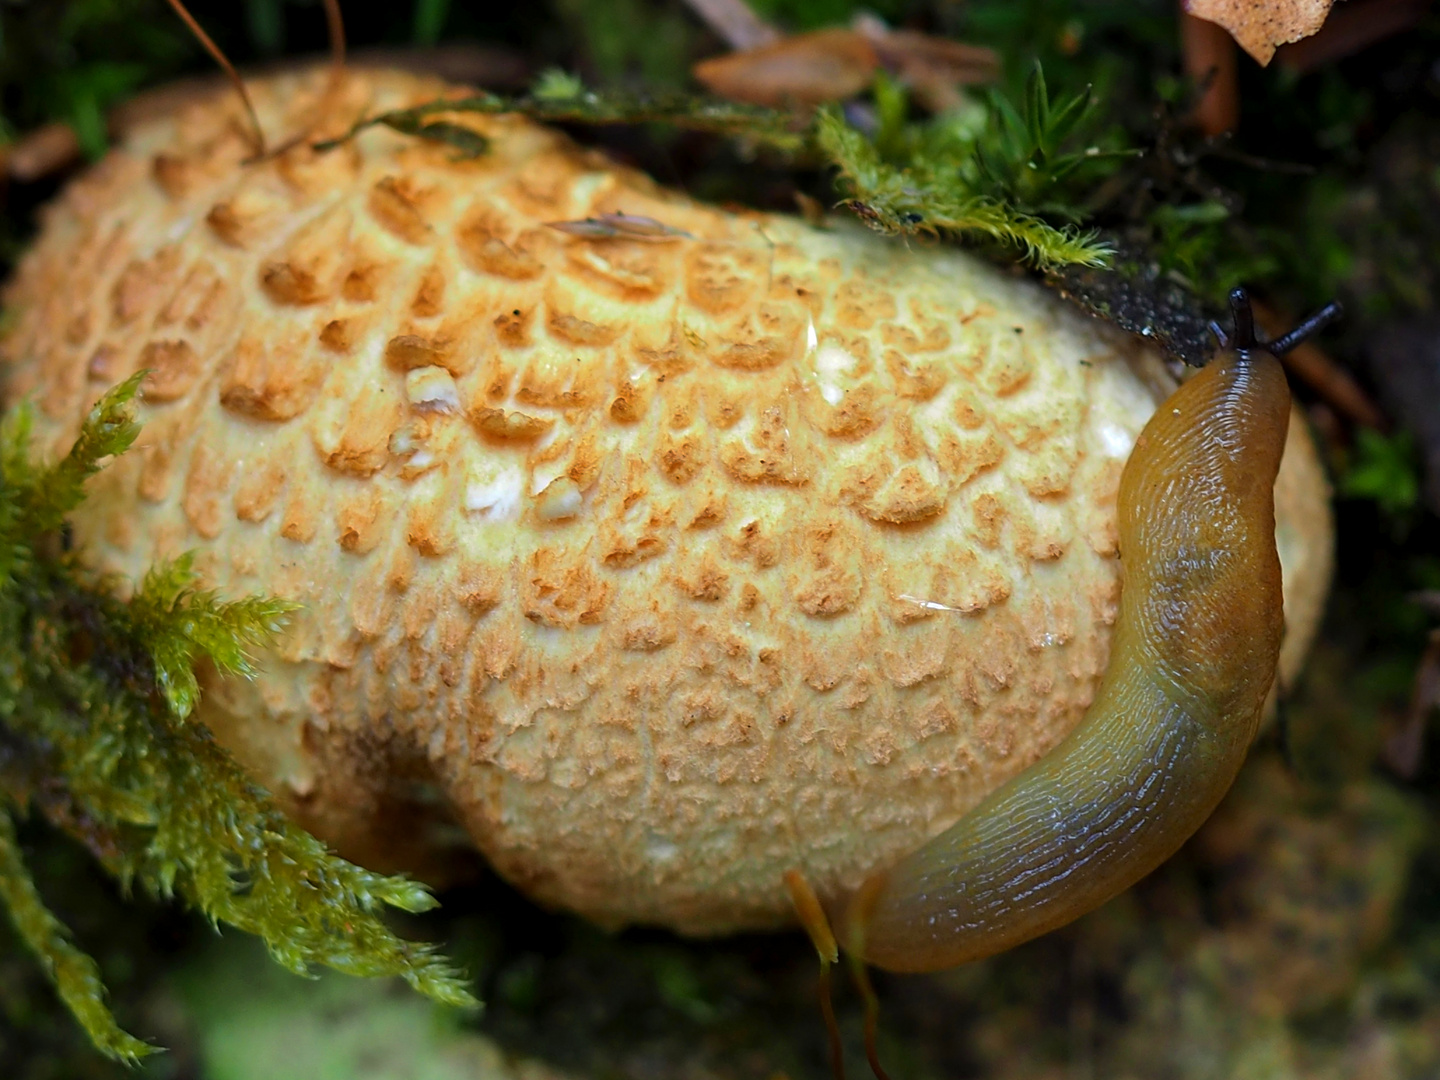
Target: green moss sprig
(930, 195)
(1018, 174)
(557, 100)
(94, 698)
(1003, 177)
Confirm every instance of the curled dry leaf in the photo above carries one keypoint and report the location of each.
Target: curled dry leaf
(1261, 26)
(931, 66)
(834, 64)
(807, 69)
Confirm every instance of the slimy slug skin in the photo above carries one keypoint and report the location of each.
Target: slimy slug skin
(649, 548)
(1194, 656)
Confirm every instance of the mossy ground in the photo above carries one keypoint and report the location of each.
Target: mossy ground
(1298, 935)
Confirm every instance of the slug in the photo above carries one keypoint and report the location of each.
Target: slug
(1195, 652)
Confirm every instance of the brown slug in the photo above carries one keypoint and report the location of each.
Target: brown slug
(1195, 654)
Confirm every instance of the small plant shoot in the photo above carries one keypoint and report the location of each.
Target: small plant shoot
(95, 692)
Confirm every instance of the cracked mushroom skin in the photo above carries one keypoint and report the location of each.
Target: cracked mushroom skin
(651, 565)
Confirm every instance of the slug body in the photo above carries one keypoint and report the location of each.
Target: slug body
(1193, 659)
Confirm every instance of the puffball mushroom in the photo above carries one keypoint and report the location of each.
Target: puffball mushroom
(660, 564)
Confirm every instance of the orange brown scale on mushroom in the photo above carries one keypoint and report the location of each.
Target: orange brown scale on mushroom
(678, 564)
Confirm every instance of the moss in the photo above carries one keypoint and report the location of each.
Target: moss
(1384, 468)
(94, 696)
(559, 99)
(931, 193)
(75, 975)
(1008, 177)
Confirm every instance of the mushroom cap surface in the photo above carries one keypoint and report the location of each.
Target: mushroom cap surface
(653, 562)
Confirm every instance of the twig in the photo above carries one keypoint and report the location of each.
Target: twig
(1404, 750)
(1228, 152)
(40, 152)
(735, 22)
(1210, 61)
(335, 26)
(229, 69)
(53, 147)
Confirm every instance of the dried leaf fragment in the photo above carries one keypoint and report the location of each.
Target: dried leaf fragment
(930, 66)
(806, 69)
(612, 226)
(734, 21)
(1261, 26)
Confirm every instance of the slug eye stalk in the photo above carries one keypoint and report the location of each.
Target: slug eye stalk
(1311, 326)
(1243, 319)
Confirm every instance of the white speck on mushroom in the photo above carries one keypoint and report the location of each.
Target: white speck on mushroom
(928, 605)
(181, 227)
(832, 362)
(410, 444)
(545, 475)
(432, 389)
(561, 499)
(497, 497)
(1116, 440)
(405, 441)
(659, 849)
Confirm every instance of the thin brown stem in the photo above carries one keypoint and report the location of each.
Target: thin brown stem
(335, 25)
(736, 22)
(861, 976)
(1210, 60)
(817, 925)
(229, 69)
(832, 1027)
(1404, 751)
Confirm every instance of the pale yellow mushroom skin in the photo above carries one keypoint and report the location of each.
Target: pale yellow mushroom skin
(652, 568)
